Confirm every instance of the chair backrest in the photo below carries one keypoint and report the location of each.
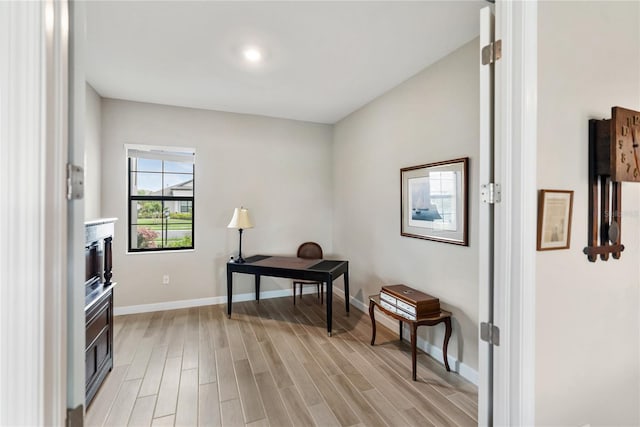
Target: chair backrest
(310, 250)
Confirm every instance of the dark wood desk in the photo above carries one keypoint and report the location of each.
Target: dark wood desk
(442, 317)
(292, 268)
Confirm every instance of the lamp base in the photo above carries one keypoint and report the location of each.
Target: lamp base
(239, 260)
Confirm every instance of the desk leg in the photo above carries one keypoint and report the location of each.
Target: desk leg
(229, 292)
(414, 328)
(400, 323)
(257, 276)
(329, 303)
(447, 335)
(373, 322)
(346, 290)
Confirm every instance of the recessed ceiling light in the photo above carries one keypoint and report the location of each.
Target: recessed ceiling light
(252, 54)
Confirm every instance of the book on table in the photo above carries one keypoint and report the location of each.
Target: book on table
(410, 301)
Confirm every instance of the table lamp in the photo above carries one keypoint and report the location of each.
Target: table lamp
(240, 221)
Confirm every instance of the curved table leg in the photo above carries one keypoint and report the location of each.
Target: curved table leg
(414, 328)
(373, 322)
(447, 335)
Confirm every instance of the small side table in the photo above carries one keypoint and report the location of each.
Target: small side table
(442, 317)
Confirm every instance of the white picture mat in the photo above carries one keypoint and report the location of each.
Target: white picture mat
(555, 220)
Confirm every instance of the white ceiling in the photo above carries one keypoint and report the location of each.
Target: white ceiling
(323, 61)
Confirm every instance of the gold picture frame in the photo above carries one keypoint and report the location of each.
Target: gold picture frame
(555, 208)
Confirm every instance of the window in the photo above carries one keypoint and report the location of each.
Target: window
(442, 189)
(186, 207)
(161, 183)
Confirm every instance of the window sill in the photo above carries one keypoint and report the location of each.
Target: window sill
(180, 251)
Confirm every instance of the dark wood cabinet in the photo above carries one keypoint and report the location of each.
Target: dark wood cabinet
(98, 304)
(99, 343)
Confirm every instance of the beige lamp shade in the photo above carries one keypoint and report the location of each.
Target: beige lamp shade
(240, 219)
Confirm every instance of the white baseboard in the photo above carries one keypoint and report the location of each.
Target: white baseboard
(463, 370)
(187, 303)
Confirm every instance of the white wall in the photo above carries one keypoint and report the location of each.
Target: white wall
(587, 324)
(92, 161)
(431, 117)
(281, 170)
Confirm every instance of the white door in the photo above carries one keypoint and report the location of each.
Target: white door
(76, 239)
(486, 215)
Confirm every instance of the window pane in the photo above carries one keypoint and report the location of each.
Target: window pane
(146, 212)
(147, 237)
(145, 183)
(179, 209)
(179, 225)
(179, 235)
(178, 185)
(186, 208)
(146, 165)
(154, 230)
(178, 167)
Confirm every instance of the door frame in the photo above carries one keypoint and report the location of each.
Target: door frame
(39, 375)
(33, 259)
(515, 227)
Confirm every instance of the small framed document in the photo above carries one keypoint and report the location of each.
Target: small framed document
(554, 219)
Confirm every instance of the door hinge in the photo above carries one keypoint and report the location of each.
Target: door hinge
(492, 52)
(490, 333)
(75, 182)
(491, 193)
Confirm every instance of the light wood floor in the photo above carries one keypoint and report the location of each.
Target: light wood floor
(272, 364)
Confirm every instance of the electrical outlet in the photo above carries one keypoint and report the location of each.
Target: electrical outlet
(165, 279)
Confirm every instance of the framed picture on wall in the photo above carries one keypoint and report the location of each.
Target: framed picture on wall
(434, 201)
(554, 219)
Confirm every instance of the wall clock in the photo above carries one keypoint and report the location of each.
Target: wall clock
(625, 131)
(614, 155)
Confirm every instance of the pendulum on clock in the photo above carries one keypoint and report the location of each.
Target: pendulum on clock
(613, 159)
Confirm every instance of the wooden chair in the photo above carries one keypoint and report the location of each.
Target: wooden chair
(309, 250)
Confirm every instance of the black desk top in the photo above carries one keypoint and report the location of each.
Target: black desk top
(269, 261)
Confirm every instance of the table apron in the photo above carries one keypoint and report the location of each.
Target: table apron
(291, 274)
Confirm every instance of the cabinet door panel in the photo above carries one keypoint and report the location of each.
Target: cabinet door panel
(102, 348)
(98, 323)
(90, 362)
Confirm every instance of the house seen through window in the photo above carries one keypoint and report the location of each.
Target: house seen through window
(161, 198)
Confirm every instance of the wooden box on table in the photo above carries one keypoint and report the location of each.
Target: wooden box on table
(409, 302)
